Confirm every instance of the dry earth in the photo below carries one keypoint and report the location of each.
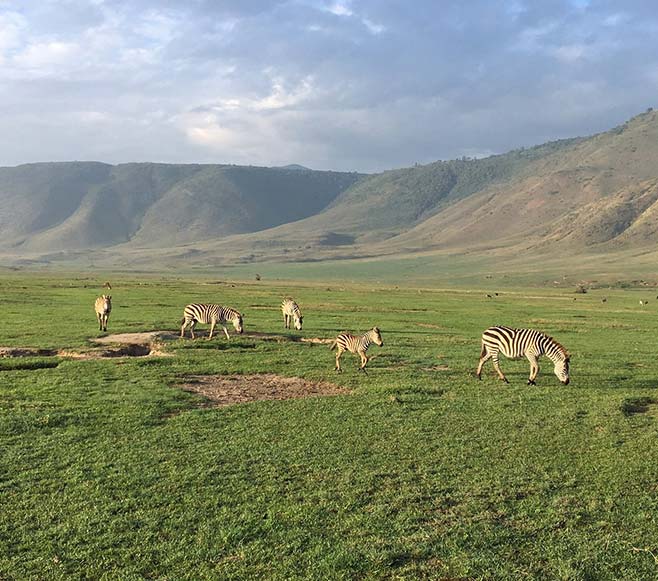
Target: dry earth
(225, 390)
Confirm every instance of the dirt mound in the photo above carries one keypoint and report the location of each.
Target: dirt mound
(225, 390)
(135, 338)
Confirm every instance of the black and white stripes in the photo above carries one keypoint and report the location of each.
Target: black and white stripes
(517, 343)
(291, 313)
(210, 314)
(103, 308)
(356, 344)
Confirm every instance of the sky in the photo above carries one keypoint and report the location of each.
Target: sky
(350, 85)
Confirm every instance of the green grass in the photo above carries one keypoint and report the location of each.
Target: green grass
(109, 471)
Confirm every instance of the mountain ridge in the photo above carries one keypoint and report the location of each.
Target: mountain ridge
(582, 194)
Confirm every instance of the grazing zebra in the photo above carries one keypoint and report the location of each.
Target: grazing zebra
(210, 314)
(516, 343)
(103, 308)
(291, 313)
(356, 345)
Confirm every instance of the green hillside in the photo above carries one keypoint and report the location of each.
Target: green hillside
(83, 205)
(577, 196)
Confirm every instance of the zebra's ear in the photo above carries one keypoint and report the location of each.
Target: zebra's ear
(375, 329)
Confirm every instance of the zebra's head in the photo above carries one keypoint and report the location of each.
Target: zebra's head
(561, 370)
(237, 323)
(298, 321)
(377, 336)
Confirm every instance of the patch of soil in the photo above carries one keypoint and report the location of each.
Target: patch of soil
(135, 338)
(225, 390)
(287, 338)
(436, 368)
(26, 352)
(317, 340)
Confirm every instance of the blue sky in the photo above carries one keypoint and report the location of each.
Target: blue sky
(359, 85)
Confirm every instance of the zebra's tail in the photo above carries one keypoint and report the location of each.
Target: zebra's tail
(333, 345)
(483, 352)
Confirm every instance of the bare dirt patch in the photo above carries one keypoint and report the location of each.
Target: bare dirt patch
(135, 338)
(287, 338)
(26, 352)
(120, 345)
(225, 390)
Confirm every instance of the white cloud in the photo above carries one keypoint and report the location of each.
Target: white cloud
(340, 8)
(373, 27)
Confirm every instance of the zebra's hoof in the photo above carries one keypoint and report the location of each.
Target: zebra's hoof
(531, 382)
(505, 380)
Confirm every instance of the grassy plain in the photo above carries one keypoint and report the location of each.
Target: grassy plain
(108, 470)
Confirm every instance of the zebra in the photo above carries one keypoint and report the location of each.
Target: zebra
(291, 313)
(516, 343)
(103, 308)
(356, 345)
(210, 314)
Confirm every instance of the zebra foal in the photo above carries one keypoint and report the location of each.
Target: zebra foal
(357, 345)
(291, 314)
(517, 343)
(103, 308)
(210, 314)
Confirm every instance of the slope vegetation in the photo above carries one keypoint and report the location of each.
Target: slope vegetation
(81, 205)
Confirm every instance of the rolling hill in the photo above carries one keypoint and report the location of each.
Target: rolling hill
(574, 196)
(77, 206)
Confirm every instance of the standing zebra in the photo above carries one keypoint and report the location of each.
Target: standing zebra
(103, 308)
(356, 345)
(291, 313)
(516, 343)
(210, 314)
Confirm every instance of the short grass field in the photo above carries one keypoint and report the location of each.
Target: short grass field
(109, 471)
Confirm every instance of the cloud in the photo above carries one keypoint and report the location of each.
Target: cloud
(361, 84)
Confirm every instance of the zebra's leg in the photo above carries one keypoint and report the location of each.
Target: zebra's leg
(104, 322)
(182, 328)
(100, 322)
(501, 375)
(192, 327)
(226, 333)
(364, 362)
(285, 321)
(534, 368)
(338, 356)
(484, 357)
(212, 328)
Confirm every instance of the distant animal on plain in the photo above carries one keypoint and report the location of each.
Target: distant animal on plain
(642, 303)
(490, 296)
(357, 345)
(291, 314)
(210, 314)
(604, 300)
(107, 285)
(517, 343)
(103, 308)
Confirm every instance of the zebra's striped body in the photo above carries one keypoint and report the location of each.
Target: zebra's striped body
(210, 314)
(291, 313)
(358, 345)
(103, 308)
(517, 343)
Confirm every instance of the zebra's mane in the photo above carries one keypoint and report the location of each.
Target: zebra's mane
(561, 348)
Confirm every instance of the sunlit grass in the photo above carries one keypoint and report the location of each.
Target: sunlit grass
(109, 470)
